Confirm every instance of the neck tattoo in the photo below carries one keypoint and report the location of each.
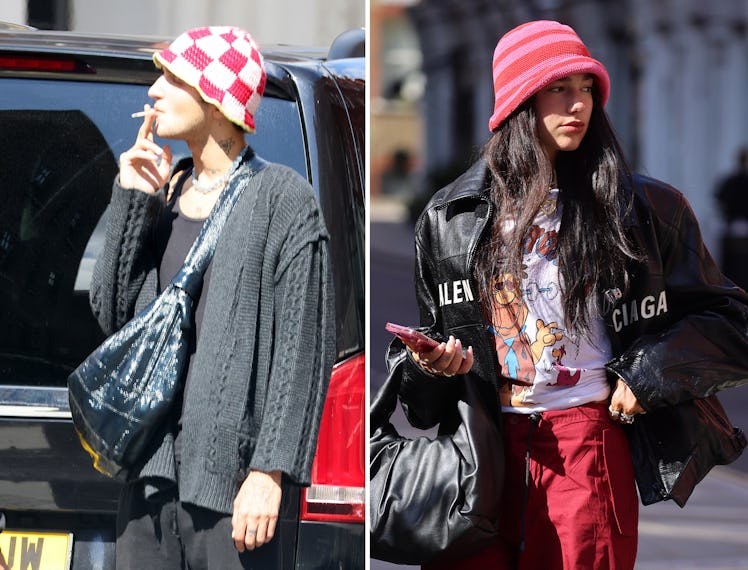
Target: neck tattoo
(207, 188)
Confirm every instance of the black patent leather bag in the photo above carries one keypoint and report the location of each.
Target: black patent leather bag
(120, 395)
(434, 498)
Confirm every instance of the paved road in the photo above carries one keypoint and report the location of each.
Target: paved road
(710, 533)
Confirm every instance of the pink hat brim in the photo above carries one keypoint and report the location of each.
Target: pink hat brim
(570, 65)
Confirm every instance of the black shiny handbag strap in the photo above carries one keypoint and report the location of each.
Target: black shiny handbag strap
(190, 277)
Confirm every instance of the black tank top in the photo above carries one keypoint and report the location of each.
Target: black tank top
(175, 234)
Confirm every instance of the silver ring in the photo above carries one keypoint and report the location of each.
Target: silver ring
(614, 413)
(627, 418)
(447, 374)
(251, 531)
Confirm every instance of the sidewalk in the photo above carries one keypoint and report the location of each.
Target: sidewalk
(710, 532)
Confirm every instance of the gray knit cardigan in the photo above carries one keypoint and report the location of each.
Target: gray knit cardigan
(267, 342)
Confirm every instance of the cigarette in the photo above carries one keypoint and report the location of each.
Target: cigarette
(138, 115)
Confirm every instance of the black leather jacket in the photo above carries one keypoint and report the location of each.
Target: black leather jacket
(679, 334)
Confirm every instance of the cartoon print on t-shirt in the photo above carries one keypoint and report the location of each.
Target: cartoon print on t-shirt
(566, 376)
(517, 354)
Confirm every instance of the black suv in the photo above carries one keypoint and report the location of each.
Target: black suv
(65, 105)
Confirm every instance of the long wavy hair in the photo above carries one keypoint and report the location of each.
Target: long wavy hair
(593, 249)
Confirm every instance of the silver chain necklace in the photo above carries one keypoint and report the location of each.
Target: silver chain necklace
(207, 188)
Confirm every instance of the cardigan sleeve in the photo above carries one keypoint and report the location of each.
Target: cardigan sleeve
(303, 353)
(123, 264)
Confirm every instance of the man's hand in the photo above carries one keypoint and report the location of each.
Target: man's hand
(256, 510)
(145, 166)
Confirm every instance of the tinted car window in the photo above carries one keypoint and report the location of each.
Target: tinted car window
(61, 142)
(342, 148)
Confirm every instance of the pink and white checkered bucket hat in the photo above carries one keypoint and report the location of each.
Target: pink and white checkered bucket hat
(224, 64)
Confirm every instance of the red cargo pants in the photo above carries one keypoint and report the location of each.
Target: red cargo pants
(580, 510)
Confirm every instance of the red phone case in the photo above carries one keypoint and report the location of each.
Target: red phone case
(416, 339)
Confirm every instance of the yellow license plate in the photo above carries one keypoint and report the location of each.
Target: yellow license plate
(20, 550)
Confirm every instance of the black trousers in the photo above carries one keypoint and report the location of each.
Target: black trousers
(163, 533)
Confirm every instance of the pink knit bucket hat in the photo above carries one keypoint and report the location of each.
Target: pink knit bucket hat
(533, 55)
(224, 64)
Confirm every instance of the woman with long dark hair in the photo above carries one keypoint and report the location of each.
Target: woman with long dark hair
(587, 299)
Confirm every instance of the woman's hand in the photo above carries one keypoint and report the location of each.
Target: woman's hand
(256, 510)
(447, 359)
(623, 404)
(145, 166)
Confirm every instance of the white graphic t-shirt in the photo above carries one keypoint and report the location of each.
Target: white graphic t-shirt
(559, 370)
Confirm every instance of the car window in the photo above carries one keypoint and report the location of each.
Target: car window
(343, 202)
(60, 145)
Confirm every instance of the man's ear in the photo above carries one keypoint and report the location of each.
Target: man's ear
(219, 117)
(216, 114)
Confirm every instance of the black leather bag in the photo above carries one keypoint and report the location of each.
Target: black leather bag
(120, 395)
(434, 498)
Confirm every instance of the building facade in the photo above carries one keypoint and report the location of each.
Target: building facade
(679, 75)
